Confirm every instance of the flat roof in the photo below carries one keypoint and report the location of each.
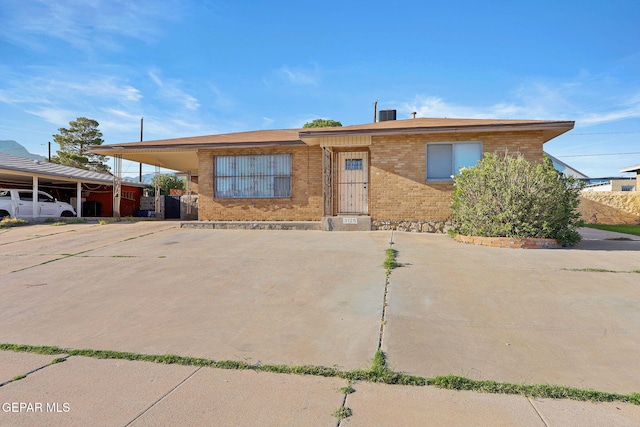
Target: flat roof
(635, 168)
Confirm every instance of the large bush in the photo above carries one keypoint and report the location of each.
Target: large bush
(512, 197)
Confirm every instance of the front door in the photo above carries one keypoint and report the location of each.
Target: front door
(353, 175)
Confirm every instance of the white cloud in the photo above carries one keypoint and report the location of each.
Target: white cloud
(432, 106)
(587, 100)
(300, 76)
(170, 90)
(56, 116)
(84, 25)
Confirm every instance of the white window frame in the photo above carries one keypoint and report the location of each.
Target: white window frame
(453, 158)
(266, 183)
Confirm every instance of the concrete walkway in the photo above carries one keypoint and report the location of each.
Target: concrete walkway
(305, 297)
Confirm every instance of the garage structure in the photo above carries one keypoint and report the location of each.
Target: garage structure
(90, 193)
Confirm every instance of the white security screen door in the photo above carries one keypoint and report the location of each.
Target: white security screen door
(353, 174)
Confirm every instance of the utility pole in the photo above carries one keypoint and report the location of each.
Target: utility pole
(141, 126)
(49, 151)
(375, 111)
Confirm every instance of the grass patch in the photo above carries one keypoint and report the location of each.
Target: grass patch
(378, 372)
(347, 389)
(600, 270)
(65, 221)
(7, 222)
(342, 413)
(37, 349)
(622, 228)
(105, 221)
(19, 377)
(390, 260)
(452, 382)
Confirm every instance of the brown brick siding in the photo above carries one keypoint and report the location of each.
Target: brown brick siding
(399, 190)
(304, 204)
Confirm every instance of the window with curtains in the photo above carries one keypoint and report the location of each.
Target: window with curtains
(444, 160)
(252, 176)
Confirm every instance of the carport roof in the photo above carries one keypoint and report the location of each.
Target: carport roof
(14, 166)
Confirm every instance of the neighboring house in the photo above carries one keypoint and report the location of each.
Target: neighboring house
(612, 184)
(567, 170)
(379, 175)
(636, 169)
(90, 193)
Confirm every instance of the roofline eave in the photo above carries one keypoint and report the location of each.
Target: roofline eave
(566, 125)
(115, 149)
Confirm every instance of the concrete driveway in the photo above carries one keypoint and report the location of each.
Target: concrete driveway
(306, 297)
(521, 316)
(260, 296)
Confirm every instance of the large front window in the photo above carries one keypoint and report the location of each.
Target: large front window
(253, 176)
(445, 159)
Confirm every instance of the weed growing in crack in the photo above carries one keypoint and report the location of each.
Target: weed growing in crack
(378, 372)
(600, 270)
(347, 389)
(342, 413)
(390, 260)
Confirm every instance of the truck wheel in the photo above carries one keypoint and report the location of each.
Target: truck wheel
(67, 214)
(3, 214)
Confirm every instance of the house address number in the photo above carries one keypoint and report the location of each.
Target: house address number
(349, 220)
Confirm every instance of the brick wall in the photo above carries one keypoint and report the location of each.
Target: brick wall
(398, 187)
(304, 204)
(398, 190)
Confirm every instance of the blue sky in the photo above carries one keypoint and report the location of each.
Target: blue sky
(202, 67)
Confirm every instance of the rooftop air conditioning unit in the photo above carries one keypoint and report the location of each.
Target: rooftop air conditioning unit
(386, 115)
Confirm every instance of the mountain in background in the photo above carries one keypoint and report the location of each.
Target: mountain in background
(14, 148)
(146, 178)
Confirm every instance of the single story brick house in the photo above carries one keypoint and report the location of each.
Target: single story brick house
(388, 174)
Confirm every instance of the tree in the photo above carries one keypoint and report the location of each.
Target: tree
(512, 197)
(74, 143)
(167, 181)
(322, 123)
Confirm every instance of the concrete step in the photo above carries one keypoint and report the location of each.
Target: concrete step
(252, 225)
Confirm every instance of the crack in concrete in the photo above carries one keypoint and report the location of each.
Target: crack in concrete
(161, 398)
(65, 256)
(383, 319)
(538, 412)
(344, 404)
(23, 376)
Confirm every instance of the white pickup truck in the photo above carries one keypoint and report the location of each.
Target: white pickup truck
(19, 204)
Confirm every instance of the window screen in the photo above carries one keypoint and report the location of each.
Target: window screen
(253, 176)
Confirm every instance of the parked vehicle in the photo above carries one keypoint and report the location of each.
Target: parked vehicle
(19, 204)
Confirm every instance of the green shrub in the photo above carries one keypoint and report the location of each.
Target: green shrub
(512, 197)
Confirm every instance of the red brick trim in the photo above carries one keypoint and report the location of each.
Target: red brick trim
(508, 242)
